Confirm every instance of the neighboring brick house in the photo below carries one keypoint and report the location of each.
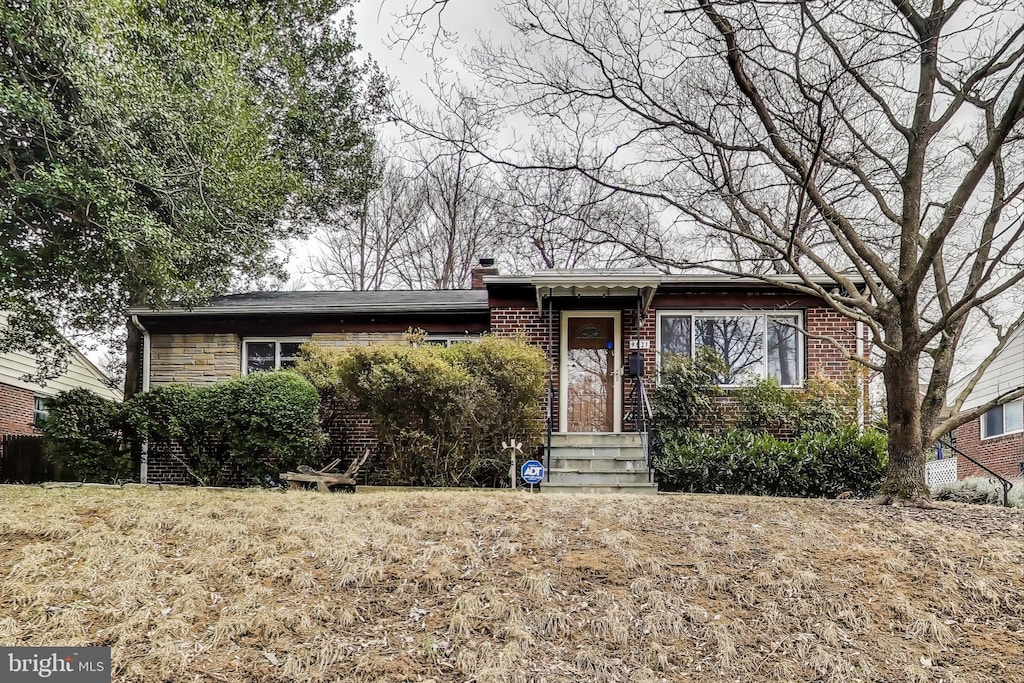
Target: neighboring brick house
(587, 322)
(996, 439)
(23, 402)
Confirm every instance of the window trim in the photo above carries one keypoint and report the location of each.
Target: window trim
(264, 340)
(764, 313)
(981, 422)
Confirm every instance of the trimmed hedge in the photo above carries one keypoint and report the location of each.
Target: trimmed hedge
(84, 433)
(253, 427)
(823, 454)
(440, 414)
(744, 462)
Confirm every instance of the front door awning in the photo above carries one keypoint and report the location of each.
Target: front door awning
(578, 282)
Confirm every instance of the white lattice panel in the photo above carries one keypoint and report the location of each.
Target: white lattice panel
(938, 472)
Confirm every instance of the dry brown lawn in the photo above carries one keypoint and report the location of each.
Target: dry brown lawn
(192, 585)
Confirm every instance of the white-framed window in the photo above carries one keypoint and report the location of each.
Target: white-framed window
(753, 344)
(39, 411)
(1005, 419)
(261, 355)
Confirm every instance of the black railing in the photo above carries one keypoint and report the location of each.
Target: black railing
(1004, 482)
(640, 409)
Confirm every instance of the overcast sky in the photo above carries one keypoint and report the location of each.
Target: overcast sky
(409, 64)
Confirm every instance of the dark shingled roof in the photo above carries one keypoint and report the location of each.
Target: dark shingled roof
(406, 301)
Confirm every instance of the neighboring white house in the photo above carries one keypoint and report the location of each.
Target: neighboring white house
(996, 439)
(23, 402)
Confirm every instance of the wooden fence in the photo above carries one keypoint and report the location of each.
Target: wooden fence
(22, 462)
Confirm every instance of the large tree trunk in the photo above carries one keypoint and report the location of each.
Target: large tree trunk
(905, 475)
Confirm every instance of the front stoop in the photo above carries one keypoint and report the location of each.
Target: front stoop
(598, 463)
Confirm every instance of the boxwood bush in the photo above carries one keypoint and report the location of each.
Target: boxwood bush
(781, 442)
(84, 434)
(251, 427)
(744, 462)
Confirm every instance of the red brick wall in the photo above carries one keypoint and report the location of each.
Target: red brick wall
(16, 410)
(350, 434)
(821, 355)
(528, 320)
(165, 464)
(1001, 454)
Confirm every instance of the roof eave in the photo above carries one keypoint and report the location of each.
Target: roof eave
(312, 310)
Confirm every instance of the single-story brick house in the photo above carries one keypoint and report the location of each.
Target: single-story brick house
(587, 322)
(23, 401)
(996, 439)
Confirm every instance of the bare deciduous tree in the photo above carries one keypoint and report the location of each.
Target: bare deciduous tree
(875, 141)
(461, 215)
(557, 220)
(366, 248)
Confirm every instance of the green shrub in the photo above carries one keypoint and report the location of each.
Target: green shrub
(439, 414)
(685, 398)
(176, 414)
(253, 426)
(263, 423)
(83, 433)
(743, 462)
(257, 425)
(823, 405)
(764, 406)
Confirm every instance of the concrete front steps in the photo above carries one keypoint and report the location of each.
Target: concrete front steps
(598, 463)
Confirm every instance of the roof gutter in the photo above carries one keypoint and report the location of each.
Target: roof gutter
(292, 310)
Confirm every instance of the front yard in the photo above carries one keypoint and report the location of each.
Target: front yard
(484, 586)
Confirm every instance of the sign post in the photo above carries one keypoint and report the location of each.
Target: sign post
(532, 473)
(514, 448)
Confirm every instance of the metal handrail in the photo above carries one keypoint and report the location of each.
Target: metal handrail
(641, 408)
(1006, 483)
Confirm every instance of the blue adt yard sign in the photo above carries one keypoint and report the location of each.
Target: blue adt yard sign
(532, 471)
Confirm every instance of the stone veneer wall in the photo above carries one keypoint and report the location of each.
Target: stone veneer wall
(1002, 454)
(194, 358)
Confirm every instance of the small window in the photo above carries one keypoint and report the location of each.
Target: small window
(288, 353)
(39, 411)
(1005, 419)
(442, 340)
(265, 355)
(675, 335)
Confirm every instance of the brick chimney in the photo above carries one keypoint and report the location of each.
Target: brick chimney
(486, 267)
